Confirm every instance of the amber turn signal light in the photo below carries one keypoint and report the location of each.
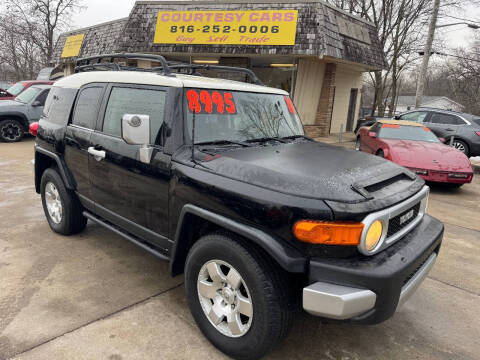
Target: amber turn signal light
(328, 233)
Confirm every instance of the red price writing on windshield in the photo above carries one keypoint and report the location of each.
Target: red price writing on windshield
(210, 102)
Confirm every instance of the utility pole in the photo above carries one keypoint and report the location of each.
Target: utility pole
(426, 57)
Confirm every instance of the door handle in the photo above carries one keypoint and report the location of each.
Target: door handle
(450, 129)
(97, 154)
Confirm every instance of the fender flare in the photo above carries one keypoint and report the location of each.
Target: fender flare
(25, 122)
(62, 168)
(286, 256)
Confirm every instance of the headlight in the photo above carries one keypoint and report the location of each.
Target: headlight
(374, 235)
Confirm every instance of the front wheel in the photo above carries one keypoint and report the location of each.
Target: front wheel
(380, 153)
(237, 296)
(11, 131)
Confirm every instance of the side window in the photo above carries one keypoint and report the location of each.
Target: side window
(134, 101)
(447, 119)
(417, 116)
(42, 97)
(86, 109)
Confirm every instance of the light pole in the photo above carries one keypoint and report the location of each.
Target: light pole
(428, 50)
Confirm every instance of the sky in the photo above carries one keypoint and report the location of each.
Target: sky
(99, 11)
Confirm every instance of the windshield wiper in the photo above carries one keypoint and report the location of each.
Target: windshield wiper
(224, 142)
(293, 137)
(265, 139)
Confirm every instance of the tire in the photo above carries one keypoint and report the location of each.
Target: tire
(63, 203)
(263, 283)
(461, 146)
(380, 153)
(357, 144)
(11, 131)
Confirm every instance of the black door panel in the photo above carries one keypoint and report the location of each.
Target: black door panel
(77, 141)
(128, 192)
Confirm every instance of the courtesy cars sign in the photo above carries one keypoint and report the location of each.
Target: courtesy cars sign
(262, 27)
(72, 45)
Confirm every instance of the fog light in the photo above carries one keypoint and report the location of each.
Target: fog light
(374, 235)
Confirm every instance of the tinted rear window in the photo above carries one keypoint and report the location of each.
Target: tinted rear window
(86, 108)
(59, 105)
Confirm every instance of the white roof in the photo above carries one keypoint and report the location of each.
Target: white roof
(177, 80)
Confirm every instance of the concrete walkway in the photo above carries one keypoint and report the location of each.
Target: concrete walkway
(96, 296)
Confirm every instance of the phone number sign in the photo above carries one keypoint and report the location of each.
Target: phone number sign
(262, 27)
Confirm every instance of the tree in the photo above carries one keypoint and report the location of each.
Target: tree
(401, 27)
(41, 19)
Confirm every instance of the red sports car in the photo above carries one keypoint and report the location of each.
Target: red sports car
(414, 146)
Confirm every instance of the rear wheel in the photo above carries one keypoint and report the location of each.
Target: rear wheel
(11, 131)
(460, 145)
(62, 208)
(238, 297)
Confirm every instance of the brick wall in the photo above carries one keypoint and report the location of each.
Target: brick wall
(325, 104)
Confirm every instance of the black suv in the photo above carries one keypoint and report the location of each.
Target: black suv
(217, 178)
(463, 130)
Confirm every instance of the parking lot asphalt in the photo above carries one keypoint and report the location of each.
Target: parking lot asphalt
(96, 296)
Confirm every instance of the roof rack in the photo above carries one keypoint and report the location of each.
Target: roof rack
(93, 63)
(194, 67)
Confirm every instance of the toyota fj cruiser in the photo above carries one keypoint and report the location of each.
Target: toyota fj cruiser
(217, 178)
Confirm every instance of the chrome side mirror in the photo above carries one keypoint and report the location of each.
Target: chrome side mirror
(136, 131)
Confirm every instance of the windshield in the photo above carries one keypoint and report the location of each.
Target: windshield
(240, 116)
(16, 89)
(28, 95)
(405, 132)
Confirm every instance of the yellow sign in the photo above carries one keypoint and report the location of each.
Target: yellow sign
(72, 45)
(261, 27)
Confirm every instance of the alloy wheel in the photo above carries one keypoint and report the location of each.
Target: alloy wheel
(459, 146)
(225, 298)
(53, 202)
(11, 131)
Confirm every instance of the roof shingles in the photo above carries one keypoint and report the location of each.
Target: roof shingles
(317, 33)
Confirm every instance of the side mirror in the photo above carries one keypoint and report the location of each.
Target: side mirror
(372, 134)
(397, 117)
(37, 103)
(443, 140)
(136, 131)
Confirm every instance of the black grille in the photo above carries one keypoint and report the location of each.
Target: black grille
(394, 225)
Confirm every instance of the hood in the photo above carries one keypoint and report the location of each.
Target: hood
(314, 170)
(429, 156)
(10, 103)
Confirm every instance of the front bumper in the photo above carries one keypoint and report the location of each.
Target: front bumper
(442, 177)
(368, 290)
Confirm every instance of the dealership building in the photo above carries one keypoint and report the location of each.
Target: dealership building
(313, 50)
